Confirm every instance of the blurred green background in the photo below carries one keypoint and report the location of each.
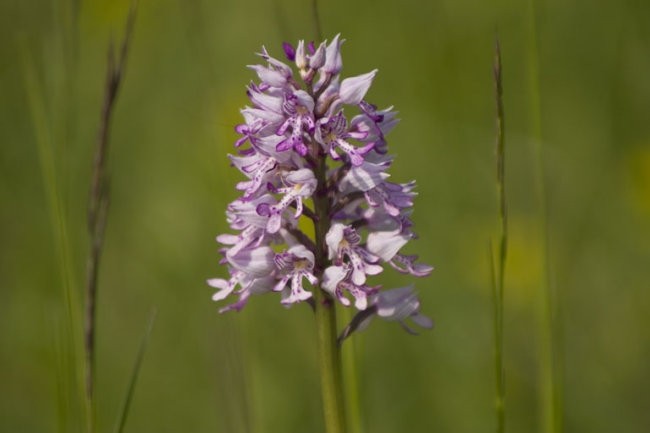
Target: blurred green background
(170, 182)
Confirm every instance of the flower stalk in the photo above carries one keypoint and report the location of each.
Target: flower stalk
(328, 348)
(330, 366)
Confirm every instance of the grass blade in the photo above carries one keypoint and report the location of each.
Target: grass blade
(70, 380)
(126, 405)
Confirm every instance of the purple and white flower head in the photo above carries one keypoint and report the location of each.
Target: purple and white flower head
(305, 159)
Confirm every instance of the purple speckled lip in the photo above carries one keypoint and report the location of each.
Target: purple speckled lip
(297, 148)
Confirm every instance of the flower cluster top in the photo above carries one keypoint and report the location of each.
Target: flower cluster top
(305, 159)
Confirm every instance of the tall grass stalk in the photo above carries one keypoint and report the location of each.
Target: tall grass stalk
(549, 379)
(498, 266)
(99, 202)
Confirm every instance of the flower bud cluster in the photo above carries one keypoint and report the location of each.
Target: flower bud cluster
(296, 144)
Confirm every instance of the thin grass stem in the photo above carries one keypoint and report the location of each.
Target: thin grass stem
(549, 380)
(98, 203)
(498, 266)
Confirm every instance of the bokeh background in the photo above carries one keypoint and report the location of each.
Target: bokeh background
(170, 182)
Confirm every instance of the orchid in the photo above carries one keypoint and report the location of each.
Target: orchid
(304, 158)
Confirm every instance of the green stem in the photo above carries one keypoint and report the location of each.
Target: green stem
(329, 353)
(350, 380)
(550, 380)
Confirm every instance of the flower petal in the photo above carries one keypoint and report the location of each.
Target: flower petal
(333, 239)
(386, 244)
(332, 276)
(333, 62)
(257, 262)
(354, 89)
(269, 76)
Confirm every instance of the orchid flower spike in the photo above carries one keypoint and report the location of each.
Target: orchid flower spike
(303, 159)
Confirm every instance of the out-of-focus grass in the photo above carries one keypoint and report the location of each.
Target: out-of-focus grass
(498, 253)
(255, 371)
(133, 379)
(550, 362)
(72, 408)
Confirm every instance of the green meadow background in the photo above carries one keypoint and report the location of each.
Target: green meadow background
(576, 85)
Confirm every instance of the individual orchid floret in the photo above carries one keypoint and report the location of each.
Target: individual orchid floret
(258, 168)
(378, 123)
(401, 304)
(248, 287)
(294, 265)
(343, 244)
(300, 184)
(333, 133)
(299, 107)
(337, 283)
(392, 197)
(395, 305)
(407, 265)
